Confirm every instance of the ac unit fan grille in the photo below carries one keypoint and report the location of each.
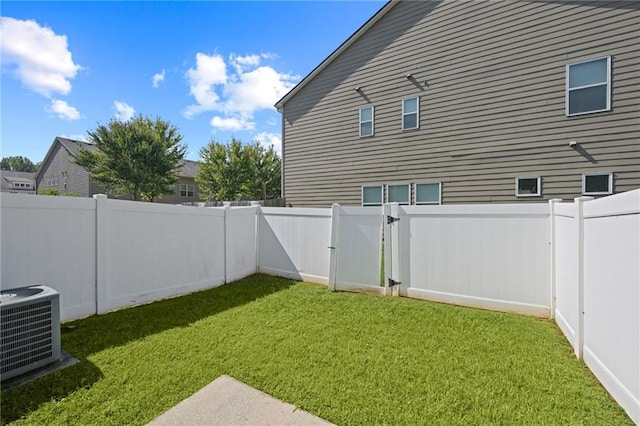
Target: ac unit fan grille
(26, 335)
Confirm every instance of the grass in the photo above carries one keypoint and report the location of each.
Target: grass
(349, 358)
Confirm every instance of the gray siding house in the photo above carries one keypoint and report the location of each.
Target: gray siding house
(58, 171)
(470, 102)
(17, 182)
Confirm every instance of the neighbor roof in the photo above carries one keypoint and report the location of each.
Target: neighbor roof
(9, 177)
(189, 168)
(344, 46)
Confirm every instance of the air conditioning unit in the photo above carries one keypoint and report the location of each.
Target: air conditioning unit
(29, 329)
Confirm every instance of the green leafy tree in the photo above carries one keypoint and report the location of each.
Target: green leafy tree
(140, 157)
(223, 171)
(18, 164)
(235, 171)
(266, 176)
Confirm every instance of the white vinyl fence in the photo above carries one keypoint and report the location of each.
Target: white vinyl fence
(50, 241)
(151, 251)
(294, 243)
(492, 256)
(102, 254)
(597, 281)
(578, 262)
(356, 249)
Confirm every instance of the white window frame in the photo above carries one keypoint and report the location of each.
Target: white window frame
(584, 183)
(408, 185)
(186, 187)
(538, 186)
(568, 89)
(361, 122)
(417, 113)
(427, 203)
(372, 186)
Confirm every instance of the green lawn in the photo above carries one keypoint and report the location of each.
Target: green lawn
(349, 358)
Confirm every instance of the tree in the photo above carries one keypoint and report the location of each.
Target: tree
(235, 171)
(266, 166)
(140, 157)
(18, 164)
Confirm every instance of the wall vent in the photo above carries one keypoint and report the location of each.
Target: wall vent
(29, 329)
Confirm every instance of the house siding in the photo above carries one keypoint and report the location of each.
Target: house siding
(176, 198)
(492, 108)
(61, 161)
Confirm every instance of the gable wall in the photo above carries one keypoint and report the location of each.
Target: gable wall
(493, 107)
(61, 161)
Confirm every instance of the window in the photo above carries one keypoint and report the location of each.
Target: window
(398, 194)
(410, 113)
(589, 86)
(528, 187)
(366, 121)
(372, 195)
(186, 190)
(428, 193)
(597, 184)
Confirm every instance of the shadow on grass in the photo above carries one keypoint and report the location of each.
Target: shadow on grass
(94, 334)
(81, 338)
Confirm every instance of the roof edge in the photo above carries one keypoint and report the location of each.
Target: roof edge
(329, 59)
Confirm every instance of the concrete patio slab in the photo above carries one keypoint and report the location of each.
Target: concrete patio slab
(229, 402)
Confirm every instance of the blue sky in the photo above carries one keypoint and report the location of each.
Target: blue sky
(213, 69)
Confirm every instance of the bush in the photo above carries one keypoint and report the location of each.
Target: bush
(49, 191)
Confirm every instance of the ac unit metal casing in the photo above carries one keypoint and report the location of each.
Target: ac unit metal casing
(29, 329)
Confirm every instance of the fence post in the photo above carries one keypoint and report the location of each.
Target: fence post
(391, 248)
(102, 254)
(258, 207)
(227, 212)
(386, 233)
(552, 256)
(333, 247)
(579, 221)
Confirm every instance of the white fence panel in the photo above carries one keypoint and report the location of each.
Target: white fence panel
(358, 248)
(566, 271)
(51, 241)
(491, 256)
(612, 296)
(241, 254)
(152, 251)
(294, 243)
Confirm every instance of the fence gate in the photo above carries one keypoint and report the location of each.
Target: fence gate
(355, 262)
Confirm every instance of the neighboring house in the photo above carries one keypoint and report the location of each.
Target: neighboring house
(470, 102)
(17, 182)
(59, 171)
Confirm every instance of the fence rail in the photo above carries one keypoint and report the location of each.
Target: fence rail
(274, 202)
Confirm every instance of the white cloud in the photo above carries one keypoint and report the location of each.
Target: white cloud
(209, 71)
(37, 56)
(124, 112)
(158, 78)
(270, 139)
(240, 63)
(237, 88)
(232, 123)
(256, 90)
(63, 110)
